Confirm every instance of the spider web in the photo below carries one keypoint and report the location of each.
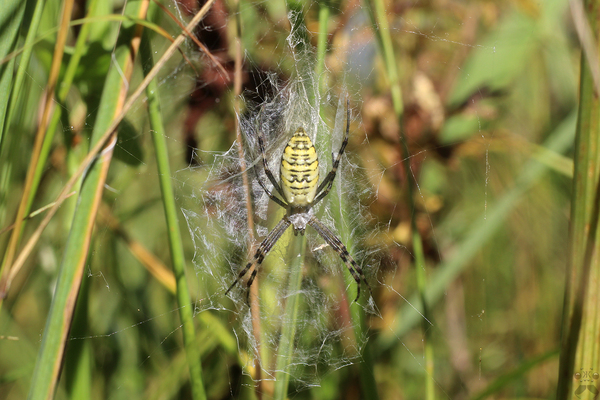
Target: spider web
(218, 225)
(217, 217)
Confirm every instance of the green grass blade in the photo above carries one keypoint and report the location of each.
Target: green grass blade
(518, 373)
(579, 347)
(79, 356)
(58, 323)
(14, 10)
(174, 234)
(63, 91)
(285, 350)
(13, 141)
(324, 14)
(368, 384)
(26, 56)
(382, 31)
(341, 211)
(11, 22)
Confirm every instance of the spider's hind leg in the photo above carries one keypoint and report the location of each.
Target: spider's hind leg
(243, 272)
(261, 252)
(355, 270)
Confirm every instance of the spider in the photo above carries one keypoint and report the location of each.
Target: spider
(299, 193)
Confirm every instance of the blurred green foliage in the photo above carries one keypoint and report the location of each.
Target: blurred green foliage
(484, 84)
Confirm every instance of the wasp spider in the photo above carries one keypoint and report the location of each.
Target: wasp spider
(299, 192)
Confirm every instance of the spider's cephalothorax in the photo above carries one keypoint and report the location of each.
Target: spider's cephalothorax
(299, 192)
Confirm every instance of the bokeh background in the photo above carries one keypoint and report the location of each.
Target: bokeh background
(489, 93)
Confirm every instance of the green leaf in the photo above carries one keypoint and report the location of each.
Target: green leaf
(13, 12)
(459, 128)
(508, 50)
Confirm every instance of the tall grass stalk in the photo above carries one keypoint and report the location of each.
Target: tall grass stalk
(61, 96)
(58, 322)
(8, 42)
(103, 140)
(381, 29)
(285, 350)
(579, 349)
(341, 210)
(254, 289)
(10, 93)
(186, 309)
(37, 157)
(10, 87)
(49, 362)
(324, 13)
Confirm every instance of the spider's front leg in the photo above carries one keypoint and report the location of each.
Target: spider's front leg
(261, 252)
(327, 183)
(270, 176)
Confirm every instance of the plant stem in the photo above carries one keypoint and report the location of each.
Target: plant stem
(58, 323)
(285, 351)
(382, 31)
(579, 349)
(322, 42)
(174, 236)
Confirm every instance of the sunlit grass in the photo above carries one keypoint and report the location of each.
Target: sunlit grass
(467, 86)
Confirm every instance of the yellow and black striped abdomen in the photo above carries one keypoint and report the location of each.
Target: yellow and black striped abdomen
(299, 170)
